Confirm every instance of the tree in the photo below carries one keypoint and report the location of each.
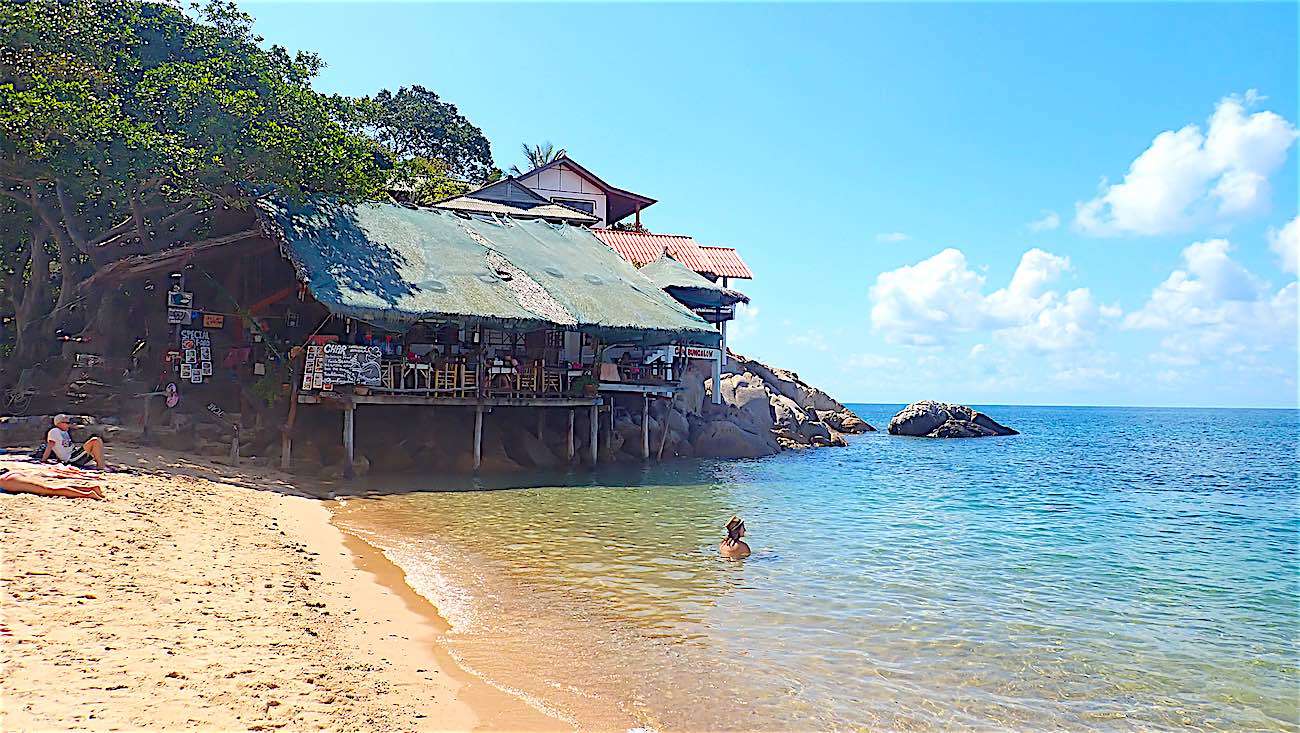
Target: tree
(413, 123)
(125, 124)
(538, 156)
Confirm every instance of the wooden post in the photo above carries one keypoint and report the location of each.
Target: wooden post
(595, 431)
(645, 426)
(234, 448)
(663, 432)
(568, 446)
(349, 437)
(286, 430)
(478, 436)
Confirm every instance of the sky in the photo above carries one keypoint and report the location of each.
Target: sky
(1081, 204)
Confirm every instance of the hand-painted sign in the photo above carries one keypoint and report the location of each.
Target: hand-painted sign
(696, 352)
(348, 364)
(214, 320)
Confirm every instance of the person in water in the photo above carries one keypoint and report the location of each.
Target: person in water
(732, 546)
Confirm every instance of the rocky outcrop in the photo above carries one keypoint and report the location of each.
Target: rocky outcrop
(931, 419)
(764, 410)
(29, 431)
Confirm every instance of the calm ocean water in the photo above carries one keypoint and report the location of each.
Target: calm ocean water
(1113, 568)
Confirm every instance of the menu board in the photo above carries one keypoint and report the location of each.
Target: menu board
(331, 364)
(196, 355)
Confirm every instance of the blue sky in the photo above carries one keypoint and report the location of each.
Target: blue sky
(984, 203)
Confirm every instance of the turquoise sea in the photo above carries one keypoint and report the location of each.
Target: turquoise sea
(1109, 568)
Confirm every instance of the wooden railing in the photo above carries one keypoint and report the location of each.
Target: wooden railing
(456, 379)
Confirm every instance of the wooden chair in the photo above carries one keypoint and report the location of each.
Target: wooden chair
(551, 381)
(528, 381)
(445, 376)
(468, 380)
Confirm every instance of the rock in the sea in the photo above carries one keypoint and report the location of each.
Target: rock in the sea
(725, 439)
(930, 419)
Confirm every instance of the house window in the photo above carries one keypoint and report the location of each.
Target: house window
(579, 204)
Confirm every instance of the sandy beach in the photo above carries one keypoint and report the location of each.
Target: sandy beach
(201, 596)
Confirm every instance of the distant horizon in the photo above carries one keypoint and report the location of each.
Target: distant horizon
(1295, 408)
(1052, 203)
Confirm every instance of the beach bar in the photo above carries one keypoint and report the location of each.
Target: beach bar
(434, 308)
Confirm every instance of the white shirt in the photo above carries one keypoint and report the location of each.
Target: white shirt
(62, 442)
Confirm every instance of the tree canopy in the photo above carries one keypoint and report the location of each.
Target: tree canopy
(125, 125)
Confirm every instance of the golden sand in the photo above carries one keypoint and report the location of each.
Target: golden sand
(201, 596)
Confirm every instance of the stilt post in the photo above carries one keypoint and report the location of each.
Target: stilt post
(349, 436)
(234, 447)
(478, 436)
(645, 427)
(663, 432)
(595, 432)
(568, 445)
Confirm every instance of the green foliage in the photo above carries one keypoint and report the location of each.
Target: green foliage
(414, 124)
(270, 388)
(136, 104)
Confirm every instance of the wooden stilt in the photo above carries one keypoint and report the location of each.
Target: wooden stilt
(234, 448)
(286, 432)
(645, 427)
(349, 436)
(663, 432)
(595, 431)
(568, 445)
(478, 436)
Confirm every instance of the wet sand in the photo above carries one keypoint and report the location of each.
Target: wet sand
(201, 596)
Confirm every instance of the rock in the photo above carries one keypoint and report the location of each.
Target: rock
(725, 439)
(523, 447)
(941, 420)
(845, 421)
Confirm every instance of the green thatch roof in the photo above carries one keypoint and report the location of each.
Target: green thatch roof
(688, 286)
(393, 265)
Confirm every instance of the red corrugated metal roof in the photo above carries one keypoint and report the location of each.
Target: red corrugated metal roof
(726, 262)
(642, 249)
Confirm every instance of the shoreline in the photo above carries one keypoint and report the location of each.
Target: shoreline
(205, 596)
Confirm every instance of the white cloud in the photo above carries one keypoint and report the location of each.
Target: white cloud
(1048, 221)
(892, 237)
(813, 340)
(872, 361)
(745, 325)
(1188, 177)
(1213, 307)
(1286, 243)
(931, 301)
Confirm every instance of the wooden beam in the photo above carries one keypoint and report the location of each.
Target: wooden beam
(568, 446)
(595, 432)
(478, 436)
(645, 427)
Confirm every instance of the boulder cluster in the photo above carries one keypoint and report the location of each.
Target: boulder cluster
(764, 410)
(930, 419)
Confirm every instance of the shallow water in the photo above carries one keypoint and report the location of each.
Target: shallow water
(1109, 568)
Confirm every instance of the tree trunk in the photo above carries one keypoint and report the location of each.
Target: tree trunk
(30, 344)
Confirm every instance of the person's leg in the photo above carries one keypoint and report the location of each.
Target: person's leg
(95, 447)
(23, 485)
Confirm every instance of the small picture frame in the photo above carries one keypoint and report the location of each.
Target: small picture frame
(207, 368)
(185, 371)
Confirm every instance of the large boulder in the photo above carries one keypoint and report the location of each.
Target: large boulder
(726, 439)
(931, 419)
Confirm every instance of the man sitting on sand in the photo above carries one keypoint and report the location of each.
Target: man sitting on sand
(58, 442)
